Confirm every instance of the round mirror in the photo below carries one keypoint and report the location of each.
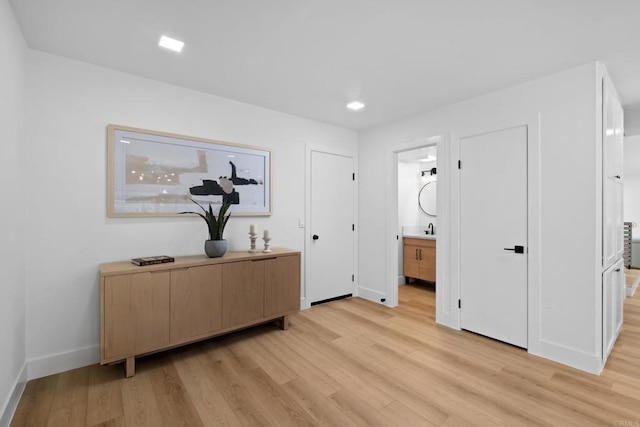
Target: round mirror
(427, 198)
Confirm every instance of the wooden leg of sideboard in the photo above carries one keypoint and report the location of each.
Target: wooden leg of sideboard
(130, 367)
(284, 323)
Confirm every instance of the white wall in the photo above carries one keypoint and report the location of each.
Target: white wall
(569, 234)
(632, 190)
(632, 120)
(408, 173)
(632, 181)
(12, 186)
(69, 105)
(408, 178)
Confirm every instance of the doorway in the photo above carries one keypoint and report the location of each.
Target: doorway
(406, 168)
(417, 213)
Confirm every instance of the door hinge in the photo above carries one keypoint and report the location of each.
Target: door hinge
(353, 277)
(353, 176)
(459, 304)
(397, 237)
(353, 227)
(459, 164)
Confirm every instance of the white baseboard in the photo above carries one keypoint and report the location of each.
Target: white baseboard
(401, 280)
(372, 295)
(11, 403)
(55, 363)
(571, 357)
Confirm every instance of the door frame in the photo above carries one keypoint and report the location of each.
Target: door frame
(391, 241)
(311, 147)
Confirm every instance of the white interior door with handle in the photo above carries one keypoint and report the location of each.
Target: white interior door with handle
(331, 259)
(493, 235)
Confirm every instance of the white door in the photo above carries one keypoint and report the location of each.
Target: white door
(612, 183)
(613, 295)
(493, 235)
(331, 263)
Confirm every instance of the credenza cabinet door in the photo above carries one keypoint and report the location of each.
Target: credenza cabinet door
(196, 302)
(242, 292)
(282, 285)
(136, 313)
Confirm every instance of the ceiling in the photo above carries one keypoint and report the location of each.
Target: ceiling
(311, 57)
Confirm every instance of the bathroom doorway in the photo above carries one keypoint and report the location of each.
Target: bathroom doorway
(412, 212)
(417, 214)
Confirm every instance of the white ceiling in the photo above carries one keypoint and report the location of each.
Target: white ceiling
(310, 57)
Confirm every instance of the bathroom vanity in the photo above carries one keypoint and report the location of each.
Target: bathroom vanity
(419, 257)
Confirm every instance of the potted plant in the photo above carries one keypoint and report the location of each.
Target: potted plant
(216, 246)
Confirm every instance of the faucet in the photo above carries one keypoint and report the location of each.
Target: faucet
(430, 227)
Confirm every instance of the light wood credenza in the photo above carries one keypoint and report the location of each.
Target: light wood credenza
(147, 309)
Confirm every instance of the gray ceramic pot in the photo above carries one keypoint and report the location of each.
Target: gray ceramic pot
(215, 248)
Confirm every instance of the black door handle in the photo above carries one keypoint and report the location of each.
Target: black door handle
(315, 237)
(516, 249)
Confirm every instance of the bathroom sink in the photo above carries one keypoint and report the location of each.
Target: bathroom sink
(420, 236)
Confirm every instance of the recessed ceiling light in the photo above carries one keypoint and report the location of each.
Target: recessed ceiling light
(172, 44)
(355, 105)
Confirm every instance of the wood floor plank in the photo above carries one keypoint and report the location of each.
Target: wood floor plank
(404, 416)
(358, 410)
(246, 407)
(283, 349)
(139, 403)
(174, 403)
(34, 408)
(281, 407)
(349, 362)
(319, 407)
(71, 389)
(69, 416)
(207, 399)
(104, 400)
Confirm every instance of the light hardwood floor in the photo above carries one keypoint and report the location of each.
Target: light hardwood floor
(350, 362)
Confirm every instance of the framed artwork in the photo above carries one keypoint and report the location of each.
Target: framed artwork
(153, 173)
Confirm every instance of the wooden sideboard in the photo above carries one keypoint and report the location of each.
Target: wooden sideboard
(147, 309)
(419, 258)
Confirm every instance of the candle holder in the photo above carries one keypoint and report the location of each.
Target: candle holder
(266, 244)
(253, 237)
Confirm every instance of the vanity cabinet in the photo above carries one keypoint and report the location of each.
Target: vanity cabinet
(419, 258)
(151, 308)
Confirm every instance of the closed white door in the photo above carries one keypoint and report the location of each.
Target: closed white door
(493, 235)
(331, 261)
(612, 182)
